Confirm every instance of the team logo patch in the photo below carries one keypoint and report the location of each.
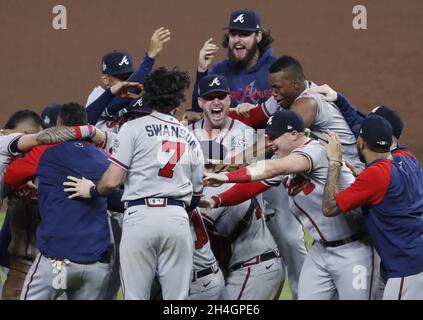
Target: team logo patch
(124, 61)
(238, 143)
(215, 82)
(240, 18)
(269, 122)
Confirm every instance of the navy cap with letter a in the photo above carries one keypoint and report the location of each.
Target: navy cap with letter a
(116, 63)
(377, 132)
(284, 121)
(49, 115)
(213, 83)
(244, 20)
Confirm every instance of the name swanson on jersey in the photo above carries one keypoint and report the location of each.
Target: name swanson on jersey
(173, 131)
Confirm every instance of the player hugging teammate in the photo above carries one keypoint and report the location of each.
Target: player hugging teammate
(121, 194)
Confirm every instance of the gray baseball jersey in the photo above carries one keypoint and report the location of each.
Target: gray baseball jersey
(161, 156)
(328, 117)
(251, 276)
(210, 286)
(306, 190)
(235, 136)
(329, 272)
(6, 156)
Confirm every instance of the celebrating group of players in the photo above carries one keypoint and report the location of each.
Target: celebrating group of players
(121, 194)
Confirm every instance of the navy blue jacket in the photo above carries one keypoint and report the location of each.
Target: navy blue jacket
(74, 229)
(250, 85)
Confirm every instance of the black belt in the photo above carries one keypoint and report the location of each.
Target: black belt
(263, 257)
(341, 242)
(205, 272)
(154, 202)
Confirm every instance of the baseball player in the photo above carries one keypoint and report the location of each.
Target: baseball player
(254, 269)
(158, 39)
(330, 269)
(214, 99)
(72, 236)
(207, 279)
(249, 58)
(149, 153)
(390, 190)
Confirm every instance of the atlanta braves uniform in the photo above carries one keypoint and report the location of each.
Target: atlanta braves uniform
(391, 193)
(341, 263)
(73, 235)
(234, 136)
(164, 165)
(207, 279)
(255, 270)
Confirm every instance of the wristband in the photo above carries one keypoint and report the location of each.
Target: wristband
(94, 192)
(84, 132)
(240, 175)
(217, 201)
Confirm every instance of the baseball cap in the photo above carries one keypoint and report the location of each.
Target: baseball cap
(116, 63)
(284, 121)
(136, 107)
(213, 83)
(49, 115)
(245, 20)
(392, 116)
(377, 132)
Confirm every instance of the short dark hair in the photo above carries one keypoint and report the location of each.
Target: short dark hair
(73, 114)
(263, 45)
(286, 62)
(165, 89)
(21, 116)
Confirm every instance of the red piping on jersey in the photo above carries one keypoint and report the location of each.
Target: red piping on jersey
(244, 284)
(229, 129)
(163, 120)
(120, 164)
(401, 288)
(32, 277)
(311, 220)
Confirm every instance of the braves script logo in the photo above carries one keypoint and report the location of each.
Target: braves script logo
(297, 184)
(240, 18)
(124, 61)
(215, 82)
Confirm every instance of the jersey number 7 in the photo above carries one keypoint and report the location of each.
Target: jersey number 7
(179, 149)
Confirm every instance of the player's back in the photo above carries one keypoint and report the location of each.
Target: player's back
(396, 222)
(328, 117)
(166, 159)
(75, 229)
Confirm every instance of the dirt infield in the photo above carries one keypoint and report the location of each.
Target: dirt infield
(380, 65)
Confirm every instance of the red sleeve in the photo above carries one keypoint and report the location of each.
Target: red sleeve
(258, 118)
(368, 189)
(23, 169)
(401, 152)
(240, 193)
